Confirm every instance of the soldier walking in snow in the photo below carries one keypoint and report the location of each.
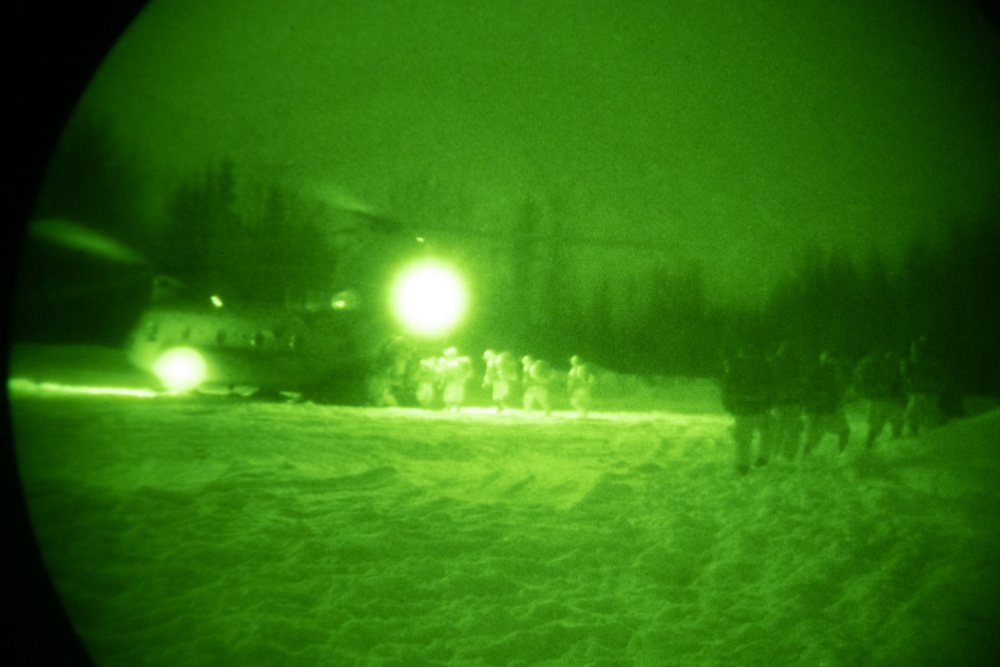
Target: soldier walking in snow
(579, 383)
(924, 381)
(388, 382)
(455, 371)
(878, 379)
(426, 378)
(537, 377)
(788, 367)
(748, 395)
(824, 404)
(490, 359)
(500, 377)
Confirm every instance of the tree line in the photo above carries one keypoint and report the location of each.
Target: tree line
(230, 231)
(945, 288)
(661, 320)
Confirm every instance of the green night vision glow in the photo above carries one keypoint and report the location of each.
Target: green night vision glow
(26, 387)
(429, 298)
(346, 300)
(180, 369)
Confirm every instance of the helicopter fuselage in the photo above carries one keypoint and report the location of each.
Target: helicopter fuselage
(259, 346)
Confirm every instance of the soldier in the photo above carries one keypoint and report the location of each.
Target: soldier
(501, 376)
(788, 367)
(455, 371)
(579, 383)
(489, 357)
(490, 376)
(824, 404)
(537, 377)
(924, 381)
(748, 395)
(426, 379)
(388, 382)
(879, 380)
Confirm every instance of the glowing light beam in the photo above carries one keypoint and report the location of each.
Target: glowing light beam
(180, 369)
(24, 386)
(429, 298)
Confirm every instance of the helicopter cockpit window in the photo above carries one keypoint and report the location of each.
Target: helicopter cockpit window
(262, 338)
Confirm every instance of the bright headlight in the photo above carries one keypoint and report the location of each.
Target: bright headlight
(180, 369)
(429, 298)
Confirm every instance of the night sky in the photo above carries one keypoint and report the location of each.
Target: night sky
(735, 134)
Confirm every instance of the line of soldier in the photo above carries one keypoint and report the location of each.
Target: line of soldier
(537, 378)
(788, 403)
(444, 380)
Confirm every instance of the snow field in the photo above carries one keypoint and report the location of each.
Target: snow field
(210, 531)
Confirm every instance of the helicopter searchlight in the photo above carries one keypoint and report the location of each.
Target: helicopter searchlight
(180, 369)
(429, 298)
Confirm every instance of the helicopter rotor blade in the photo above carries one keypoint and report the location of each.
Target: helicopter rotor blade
(360, 210)
(78, 237)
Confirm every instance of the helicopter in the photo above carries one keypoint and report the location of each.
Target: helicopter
(322, 344)
(386, 286)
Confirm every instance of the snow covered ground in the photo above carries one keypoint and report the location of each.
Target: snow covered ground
(212, 530)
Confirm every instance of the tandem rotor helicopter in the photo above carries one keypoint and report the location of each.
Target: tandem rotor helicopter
(318, 344)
